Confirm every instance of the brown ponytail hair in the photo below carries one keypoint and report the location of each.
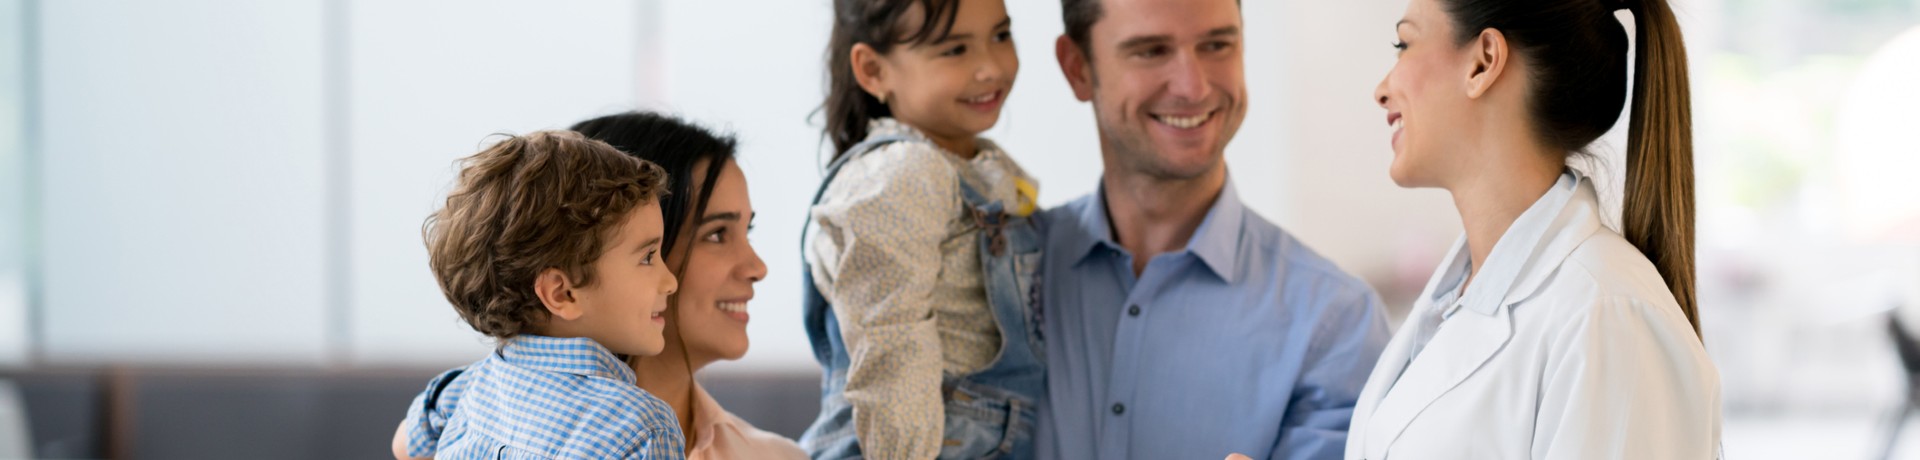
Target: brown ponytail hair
(1577, 52)
(1657, 213)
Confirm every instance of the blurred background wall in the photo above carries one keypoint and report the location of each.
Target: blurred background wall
(233, 190)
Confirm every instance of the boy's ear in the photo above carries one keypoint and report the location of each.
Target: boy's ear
(556, 293)
(1074, 63)
(870, 73)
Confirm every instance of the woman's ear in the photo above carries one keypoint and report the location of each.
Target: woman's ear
(870, 71)
(1490, 55)
(556, 293)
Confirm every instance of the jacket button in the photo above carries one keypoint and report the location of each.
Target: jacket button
(1133, 310)
(1119, 408)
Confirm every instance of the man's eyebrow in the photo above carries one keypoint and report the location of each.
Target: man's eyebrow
(1145, 40)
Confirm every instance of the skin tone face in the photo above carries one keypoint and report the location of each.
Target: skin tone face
(710, 312)
(721, 268)
(952, 89)
(1166, 81)
(624, 308)
(1169, 92)
(1460, 120)
(1426, 96)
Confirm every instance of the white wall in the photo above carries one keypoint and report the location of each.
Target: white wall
(182, 187)
(429, 81)
(14, 338)
(186, 156)
(1339, 198)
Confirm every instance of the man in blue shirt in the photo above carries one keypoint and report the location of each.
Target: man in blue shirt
(1178, 323)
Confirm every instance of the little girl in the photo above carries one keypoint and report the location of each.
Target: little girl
(920, 268)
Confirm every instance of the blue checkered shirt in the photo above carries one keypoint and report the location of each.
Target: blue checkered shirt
(542, 398)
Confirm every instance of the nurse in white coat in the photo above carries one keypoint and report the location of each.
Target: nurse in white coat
(1544, 334)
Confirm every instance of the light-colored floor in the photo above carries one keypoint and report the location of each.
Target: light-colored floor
(1836, 436)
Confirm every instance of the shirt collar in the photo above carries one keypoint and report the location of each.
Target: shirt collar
(880, 127)
(709, 415)
(888, 126)
(1216, 242)
(568, 355)
(1516, 263)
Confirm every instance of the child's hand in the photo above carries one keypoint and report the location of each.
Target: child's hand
(1237, 457)
(400, 444)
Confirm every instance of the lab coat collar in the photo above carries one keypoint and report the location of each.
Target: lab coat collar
(1519, 265)
(1529, 252)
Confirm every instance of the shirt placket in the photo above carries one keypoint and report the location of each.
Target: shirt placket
(1128, 342)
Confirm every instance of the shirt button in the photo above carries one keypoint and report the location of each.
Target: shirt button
(1133, 310)
(1119, 408)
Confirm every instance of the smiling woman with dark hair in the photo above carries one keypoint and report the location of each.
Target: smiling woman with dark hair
(1544, 334)
(707, 214)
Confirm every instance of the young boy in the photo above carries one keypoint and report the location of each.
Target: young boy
(549, 243)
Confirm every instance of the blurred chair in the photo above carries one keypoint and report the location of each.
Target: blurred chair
(1872, 128)
(1909, 350)
(14, 438)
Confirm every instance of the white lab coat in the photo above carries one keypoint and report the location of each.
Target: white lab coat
(1567, 345)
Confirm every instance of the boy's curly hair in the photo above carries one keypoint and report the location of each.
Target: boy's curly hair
(550, 199)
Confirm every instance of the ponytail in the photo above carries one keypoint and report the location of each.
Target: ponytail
(1577, 54)
(1657, 214)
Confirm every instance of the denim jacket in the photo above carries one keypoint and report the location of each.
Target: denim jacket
(988, 412)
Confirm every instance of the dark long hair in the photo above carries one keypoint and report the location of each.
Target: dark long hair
(1577, 52)
(876, 23)
(677, 146)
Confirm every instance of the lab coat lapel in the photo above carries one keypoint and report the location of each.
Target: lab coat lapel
(1466, 341)
(1461, 346)
(1393, 359)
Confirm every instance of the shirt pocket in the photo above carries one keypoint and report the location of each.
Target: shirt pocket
(506, 452)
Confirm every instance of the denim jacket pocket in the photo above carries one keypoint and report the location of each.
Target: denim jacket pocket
(983, 422)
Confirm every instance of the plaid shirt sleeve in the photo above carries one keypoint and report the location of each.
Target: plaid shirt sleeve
(428, 414)
(656, 447)
(661, 438)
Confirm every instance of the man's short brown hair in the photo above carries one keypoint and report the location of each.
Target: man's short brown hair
(550, 199)
(1079, 16)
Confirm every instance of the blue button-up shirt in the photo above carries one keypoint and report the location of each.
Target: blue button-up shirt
(542, 397)
(1245, 341)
